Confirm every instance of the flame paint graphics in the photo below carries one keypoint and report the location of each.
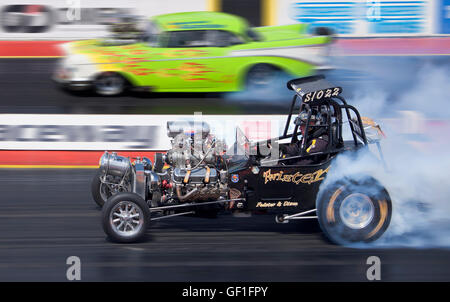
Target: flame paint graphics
(195, 71)
(133, 62)
(188, 52)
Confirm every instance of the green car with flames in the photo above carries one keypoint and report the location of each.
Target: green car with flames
(194, 52)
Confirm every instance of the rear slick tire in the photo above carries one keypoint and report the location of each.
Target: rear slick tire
(354, 210)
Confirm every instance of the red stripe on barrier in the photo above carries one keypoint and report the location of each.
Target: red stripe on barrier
(60, 158)
(30, 48)
(437, 45)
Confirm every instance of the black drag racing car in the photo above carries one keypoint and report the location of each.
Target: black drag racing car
(281, 176)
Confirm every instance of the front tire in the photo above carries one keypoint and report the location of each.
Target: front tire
(351, 211)
(125, 218)
(109, 84)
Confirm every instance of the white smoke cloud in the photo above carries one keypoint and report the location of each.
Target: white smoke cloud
(418, 178)
(276, 93)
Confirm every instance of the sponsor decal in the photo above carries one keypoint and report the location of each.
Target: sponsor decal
(88, 136)
(235, 178)
(277, 204)
(364, 18)
(391, 17)
(28, 18)
(295, 178)
(445, 16)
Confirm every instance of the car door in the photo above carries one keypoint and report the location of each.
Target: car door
(186, 60)
(275, 183)
(291, 186)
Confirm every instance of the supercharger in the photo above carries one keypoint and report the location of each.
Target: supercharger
(192, 170)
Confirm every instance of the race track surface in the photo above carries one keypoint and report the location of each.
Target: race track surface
(26, 87)
(48, 215)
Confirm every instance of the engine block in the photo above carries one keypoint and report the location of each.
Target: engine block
(195, 169)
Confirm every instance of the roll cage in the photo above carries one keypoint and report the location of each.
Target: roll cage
(335, 107)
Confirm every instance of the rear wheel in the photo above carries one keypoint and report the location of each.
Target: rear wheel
(109, 84)
(354, 210)
(100, 191)
(262, 76)
(125, 218)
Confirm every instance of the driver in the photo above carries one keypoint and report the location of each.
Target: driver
(317, 140)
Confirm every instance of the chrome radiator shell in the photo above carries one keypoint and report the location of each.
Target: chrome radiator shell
(115, 165)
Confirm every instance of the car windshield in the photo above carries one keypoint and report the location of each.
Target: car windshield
(253, 35)
(151, 34)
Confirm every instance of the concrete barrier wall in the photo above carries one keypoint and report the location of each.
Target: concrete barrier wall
(79, 140)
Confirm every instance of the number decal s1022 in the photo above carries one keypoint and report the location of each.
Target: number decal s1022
(321, 94)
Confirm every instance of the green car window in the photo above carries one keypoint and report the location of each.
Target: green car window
(225, 38)
(189, 38)
(202, 38)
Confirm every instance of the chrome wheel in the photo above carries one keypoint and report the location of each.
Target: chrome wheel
(109, 84)
(126, 218)
(356, 211)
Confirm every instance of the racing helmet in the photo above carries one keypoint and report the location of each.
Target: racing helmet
(302, 118)
(318, 117)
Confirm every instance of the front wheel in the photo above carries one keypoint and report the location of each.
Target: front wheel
(109, 84)
(351, 211)
(125, 218)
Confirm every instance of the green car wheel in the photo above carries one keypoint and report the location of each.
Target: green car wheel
(109, 84)
(262, 76)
